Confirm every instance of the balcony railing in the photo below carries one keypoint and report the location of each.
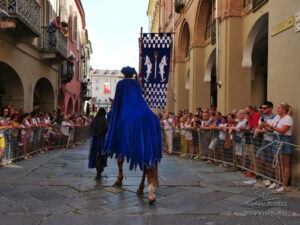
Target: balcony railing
(85, 92)
(67, 71)
(28, 12)
(179, 5)
(258, 3)
(253, 5)
(53, 41)
(213, 32)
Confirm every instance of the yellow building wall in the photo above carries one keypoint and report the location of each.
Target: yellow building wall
(29, 68)
(284, 69)
(235, 82)
(200, 90)
(181, 93)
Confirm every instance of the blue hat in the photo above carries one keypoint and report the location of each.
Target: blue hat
(128, 71)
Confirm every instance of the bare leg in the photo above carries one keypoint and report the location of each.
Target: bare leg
(151, 197)
(120, 176)
(140, 190)
(286, 169)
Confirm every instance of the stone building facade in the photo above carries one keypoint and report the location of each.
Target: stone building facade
(104, 84)
(35, 61)
(233, 53)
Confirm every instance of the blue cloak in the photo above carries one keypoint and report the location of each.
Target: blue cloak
(134, 131)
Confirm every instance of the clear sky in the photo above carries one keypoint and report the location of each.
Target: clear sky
(114, 27)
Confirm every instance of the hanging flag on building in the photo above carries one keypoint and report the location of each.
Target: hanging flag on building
(106, 88)
(155, 67)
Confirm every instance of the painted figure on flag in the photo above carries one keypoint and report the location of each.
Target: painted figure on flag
(155, 66)
(162, 65)
(149, 67)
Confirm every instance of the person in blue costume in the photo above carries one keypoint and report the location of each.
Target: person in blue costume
(98, 130)
(134, 132)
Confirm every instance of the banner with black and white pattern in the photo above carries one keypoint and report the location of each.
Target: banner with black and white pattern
(155, 67)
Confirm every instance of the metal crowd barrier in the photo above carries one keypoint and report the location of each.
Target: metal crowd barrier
(243, 151)
(21, 143)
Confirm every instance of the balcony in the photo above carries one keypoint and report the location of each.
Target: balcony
(258, 3)
(54, 45)
(213, 32)
(66, 71)
(253, 5)
(23, 18)
(179, 5)
(85, 92)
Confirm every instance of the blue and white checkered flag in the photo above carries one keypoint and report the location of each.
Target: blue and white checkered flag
(155, 67)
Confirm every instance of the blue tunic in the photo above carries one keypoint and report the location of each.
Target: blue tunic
(134, 131)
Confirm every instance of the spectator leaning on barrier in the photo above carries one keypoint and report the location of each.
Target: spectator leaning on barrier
(253, 119)
(189, 135)
(168, 124)
(4, 118)
(14, 121)
(231, 123)
(65, 130)
(2, 143)
(282, 125)
(222, 136)
(204, 132)
(264, 154)
(239, 140)
(47, 119)
(216, 121)
(199, 111)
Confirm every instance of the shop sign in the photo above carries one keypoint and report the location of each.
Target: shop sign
(284, 25)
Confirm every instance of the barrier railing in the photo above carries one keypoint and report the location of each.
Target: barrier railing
(256, 155)
(21, 143)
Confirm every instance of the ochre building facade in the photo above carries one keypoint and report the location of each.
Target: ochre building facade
(233, 53)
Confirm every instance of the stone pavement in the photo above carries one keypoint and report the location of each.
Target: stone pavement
(57, 188)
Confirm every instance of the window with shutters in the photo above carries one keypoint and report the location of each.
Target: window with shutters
(75, 28)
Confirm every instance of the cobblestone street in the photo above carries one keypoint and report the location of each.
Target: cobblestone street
(57, 188)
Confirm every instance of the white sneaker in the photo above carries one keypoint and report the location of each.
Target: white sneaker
(273, 186)
(282, 189)
(267, 183)
(250, 182)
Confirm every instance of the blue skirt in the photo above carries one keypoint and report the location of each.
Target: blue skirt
(97, 143)
(286, 147)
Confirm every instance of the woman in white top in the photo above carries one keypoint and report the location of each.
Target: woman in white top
(239, 140)
(282, 125)
(189, 135)
(221, 140)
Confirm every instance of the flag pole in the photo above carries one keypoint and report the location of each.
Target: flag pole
(140, 56)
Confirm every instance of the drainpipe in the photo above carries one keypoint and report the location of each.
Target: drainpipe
(173, 50)
(217, 44)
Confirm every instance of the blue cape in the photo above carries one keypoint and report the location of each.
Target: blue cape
(134, 131)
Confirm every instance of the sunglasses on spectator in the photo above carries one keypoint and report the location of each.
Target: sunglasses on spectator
(264, 107)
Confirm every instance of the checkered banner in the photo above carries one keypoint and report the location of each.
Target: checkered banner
(155, 67)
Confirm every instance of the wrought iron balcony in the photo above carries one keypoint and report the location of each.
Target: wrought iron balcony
(54, 45)
(258, 3)
(213, 32)
(179, 5)
(24, 15)
(86, 96)
(66, 71)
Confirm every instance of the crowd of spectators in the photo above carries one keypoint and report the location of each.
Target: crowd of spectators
(261, 123)
(27, 128)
